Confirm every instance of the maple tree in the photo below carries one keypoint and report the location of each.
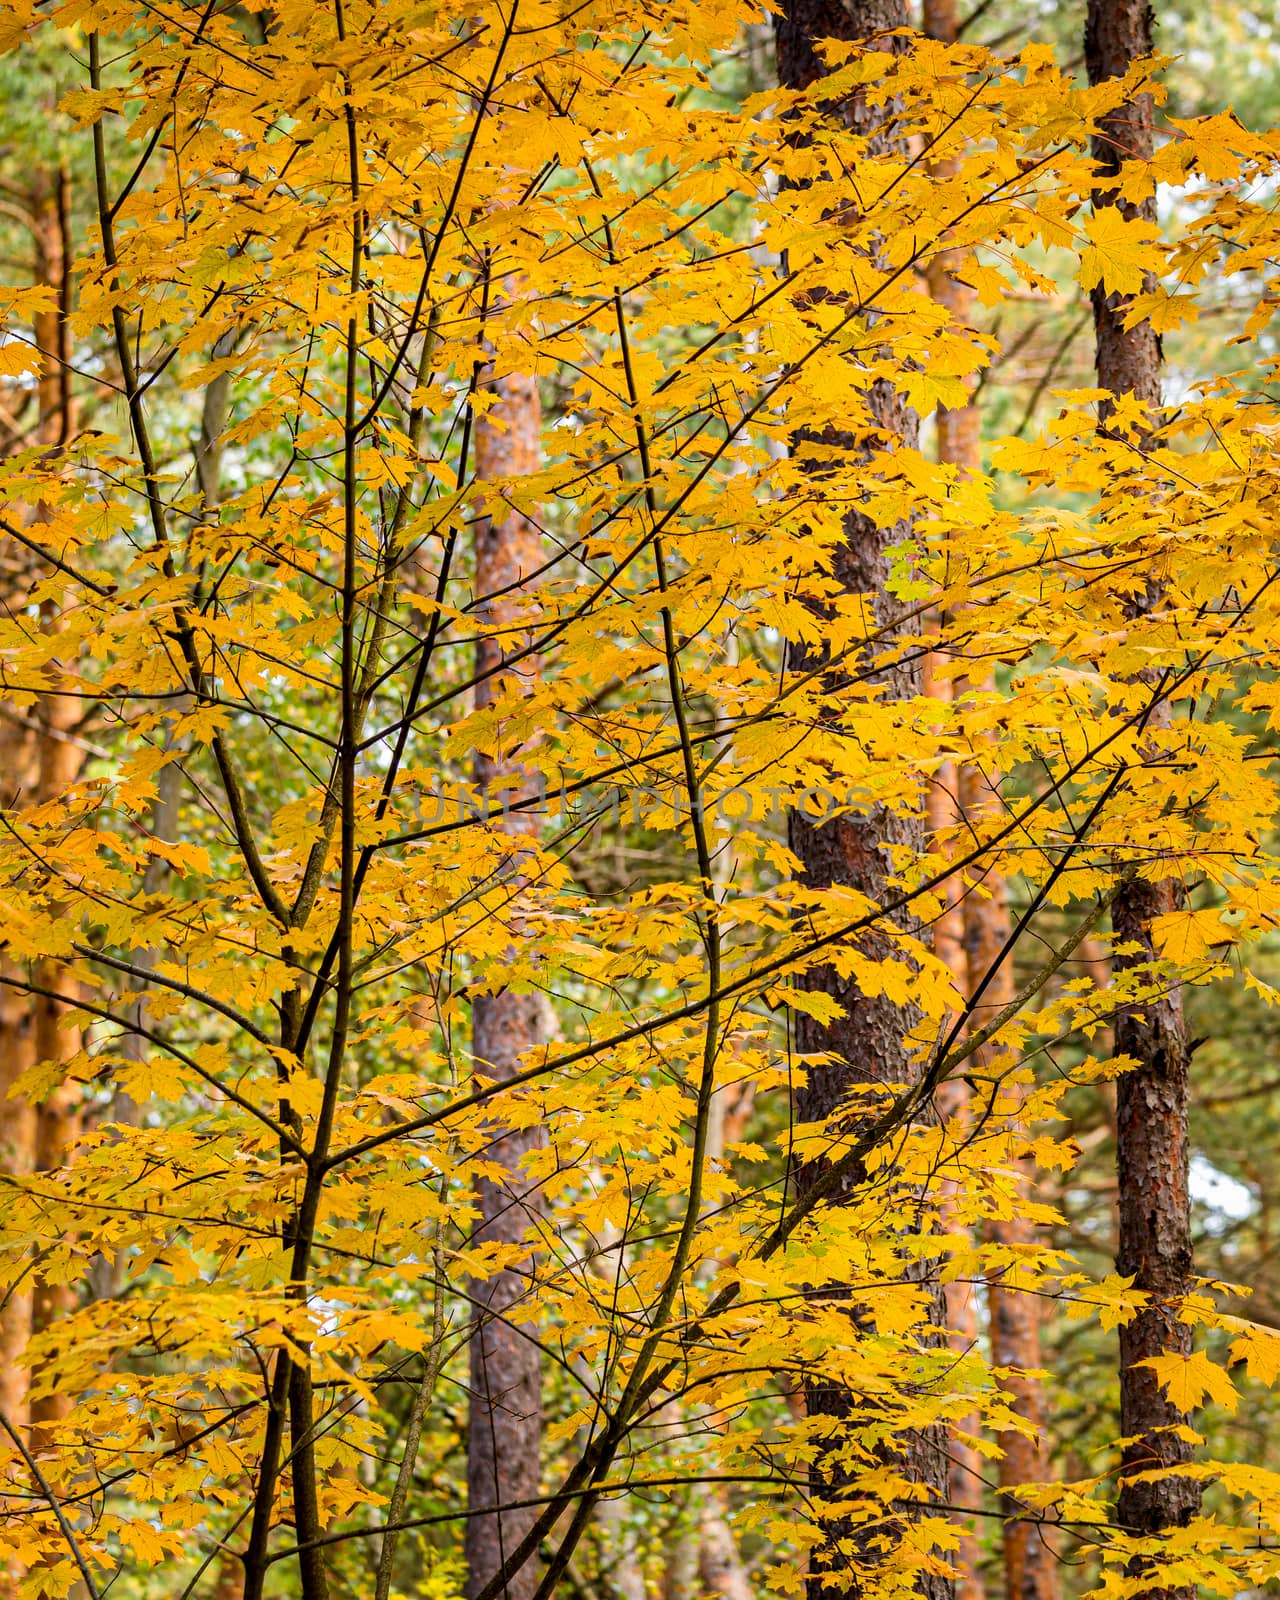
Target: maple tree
(494, 429)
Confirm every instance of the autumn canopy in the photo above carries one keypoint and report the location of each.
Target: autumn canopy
(639, 672)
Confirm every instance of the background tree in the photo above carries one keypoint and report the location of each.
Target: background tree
(504, 1430)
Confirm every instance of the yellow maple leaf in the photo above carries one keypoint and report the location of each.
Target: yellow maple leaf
(1216, 143)
(1259, 1349)
(18, 357)
(1189, 935)
(1186, 1380)
(1119, 254)
(1162, 310)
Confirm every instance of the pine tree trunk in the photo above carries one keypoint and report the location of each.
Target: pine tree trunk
(1030, 1565)
(504, 1432)
(18, 766)
(966, 1469)
(58, 1118)
(801, 24)
(959, 428)
(959, 444)
(1154, 1220)
(39, 760)
(1118, 33)
(49, 204)
(856, 851)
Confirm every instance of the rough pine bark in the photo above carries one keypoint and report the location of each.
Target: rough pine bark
(1154, 1222)
(504, 1433)
(1118, 33)
(801, 24)
(856, 851)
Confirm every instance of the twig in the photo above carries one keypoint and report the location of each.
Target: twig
(54, 1505)
(404, 1478)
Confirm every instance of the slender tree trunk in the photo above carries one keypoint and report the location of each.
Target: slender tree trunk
(50, 200)
(18, 766)
(1030, 1569)
(868, 1042)
(720, 1567)
(959, 427)
(504, 1432)
(1154, 1220)
(719, 1563)
(965, 1469)
(1030, 1565)
(959, 444)
(621, 1569)
(680, 1562)
(58, 1118)
(40, 760)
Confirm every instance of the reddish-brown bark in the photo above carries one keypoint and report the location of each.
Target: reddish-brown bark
(1154, 1222)
(1118, 33)
(60, 757)
(49, 227)
(965, 1470)
(965, 1467)
(505, 1425)
(39, 758)
(959, 444)
(959, 428)
(18, 764)
(1030, 1565)
(1153, 1213)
